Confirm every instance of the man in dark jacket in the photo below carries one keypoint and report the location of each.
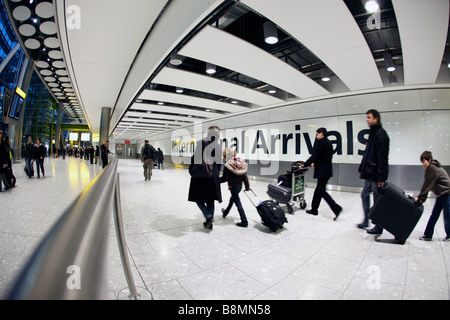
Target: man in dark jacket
(105, 150)
(374, 167)
(205, 190)
(321, 158)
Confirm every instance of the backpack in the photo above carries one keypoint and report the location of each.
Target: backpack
(271, 215)
(150, 152)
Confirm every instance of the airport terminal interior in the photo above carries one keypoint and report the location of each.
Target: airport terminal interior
(94, 82)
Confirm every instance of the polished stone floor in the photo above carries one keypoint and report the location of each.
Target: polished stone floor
(174, 257)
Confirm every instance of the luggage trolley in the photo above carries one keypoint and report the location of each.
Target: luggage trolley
(290, 192)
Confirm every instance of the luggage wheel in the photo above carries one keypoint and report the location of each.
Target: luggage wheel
(303, 204)
(290, 208)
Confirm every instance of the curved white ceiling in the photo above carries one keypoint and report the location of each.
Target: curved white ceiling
(111, 59)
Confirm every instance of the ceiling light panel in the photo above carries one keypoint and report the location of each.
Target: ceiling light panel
(173, 109)
(249, 60)
(194, 81)
(342, 47)
(189, 100)
(158, 116)
(422, 26)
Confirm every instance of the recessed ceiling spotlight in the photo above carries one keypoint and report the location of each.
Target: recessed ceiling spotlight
(372, 6)
(176, 59)
(390, 66)
(210, 68)
(270, 32)
(325, 74)
(272, 89)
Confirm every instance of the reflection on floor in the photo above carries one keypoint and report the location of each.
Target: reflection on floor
(174, 257)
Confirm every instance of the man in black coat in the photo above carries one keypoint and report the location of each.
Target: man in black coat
(374, 167)
(104, 153)
(205, 190)
(321, 158)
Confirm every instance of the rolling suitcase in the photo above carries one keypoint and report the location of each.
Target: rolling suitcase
(271, 214)
(396, 212)
(279, 192)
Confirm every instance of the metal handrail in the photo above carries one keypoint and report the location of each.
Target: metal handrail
(70, 261)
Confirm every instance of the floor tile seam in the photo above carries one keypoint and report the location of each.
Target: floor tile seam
(293, 271)
(446, 267)
(129, 253)
(214, 267)
(320, 249)
(359, 267)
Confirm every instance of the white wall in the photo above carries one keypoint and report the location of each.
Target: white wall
(415, 120)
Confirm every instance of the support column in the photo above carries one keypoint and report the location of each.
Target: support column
(104, 124)
(58, 127)
(24, 83)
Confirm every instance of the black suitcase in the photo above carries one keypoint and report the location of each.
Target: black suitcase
(271, 214)
(396, 212)
(279, 192)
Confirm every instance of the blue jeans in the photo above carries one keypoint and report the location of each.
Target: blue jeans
(368, 188)
(207, 209)
(237, 201)
(28, 166)
(442, 203)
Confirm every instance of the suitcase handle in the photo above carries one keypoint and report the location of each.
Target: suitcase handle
(255, 196)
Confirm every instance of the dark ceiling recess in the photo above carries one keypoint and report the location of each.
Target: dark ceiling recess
(379, 29)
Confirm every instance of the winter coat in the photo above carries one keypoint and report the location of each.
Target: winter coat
(4, 157)
(321, 156)
(29, 151)
(207, 190)
(375, 162)
(39, 152)
(436, 180)
(235, 172)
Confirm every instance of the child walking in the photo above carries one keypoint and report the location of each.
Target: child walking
(436, 180)
(235, 172)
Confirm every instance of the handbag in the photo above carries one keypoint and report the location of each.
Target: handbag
(200, 170)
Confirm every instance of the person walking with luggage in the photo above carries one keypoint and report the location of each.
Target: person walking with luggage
(148, 152)
(39, 155)
(321, 159)
(235, 172)
(104, 153)
(437, 181)
(4, 159)
(205, 190)
(29, 157)
(374, 167)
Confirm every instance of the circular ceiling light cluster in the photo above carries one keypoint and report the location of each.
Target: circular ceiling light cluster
(38, 31)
